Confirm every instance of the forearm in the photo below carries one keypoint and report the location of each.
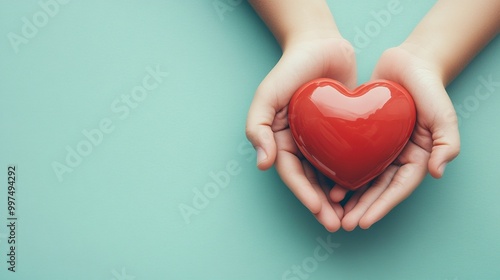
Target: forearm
(295, 20)
(453, 32)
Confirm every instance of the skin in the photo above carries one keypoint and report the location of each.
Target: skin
(441, 45)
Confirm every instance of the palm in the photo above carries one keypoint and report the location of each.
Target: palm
(433, 142)
(303, 62)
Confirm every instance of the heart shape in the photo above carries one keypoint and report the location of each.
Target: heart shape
(351, 137)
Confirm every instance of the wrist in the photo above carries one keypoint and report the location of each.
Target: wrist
(296, 38)
(427, 56)
(451, 34)
(296, 21)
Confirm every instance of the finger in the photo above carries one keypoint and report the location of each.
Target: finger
(350, 220)
(438, 116)
(353, 200)
(445, 139)
(325, 184)
(271, 98)
(292, 173)
(258, 130)
(339, 210)
(405, 181)
(330, 215)
(437, 129)
(361, 201)
(338, 193)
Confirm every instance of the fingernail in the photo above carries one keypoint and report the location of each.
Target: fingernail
(442, 168)
(261, 155)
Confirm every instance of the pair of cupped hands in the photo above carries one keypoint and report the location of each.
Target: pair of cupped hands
(435, 140)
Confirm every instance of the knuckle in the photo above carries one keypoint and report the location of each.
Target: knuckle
(250, 132)
(455, 150)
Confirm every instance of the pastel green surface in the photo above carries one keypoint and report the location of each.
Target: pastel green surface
(116, 212)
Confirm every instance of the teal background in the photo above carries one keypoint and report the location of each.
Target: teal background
(117, 214)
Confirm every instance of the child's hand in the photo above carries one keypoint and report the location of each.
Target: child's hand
(267, 125)
(435, 140)
(429, 59)
(435, 52)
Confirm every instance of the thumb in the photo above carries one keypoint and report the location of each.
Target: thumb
(446, 141)
(438, 116)
(435, 110)
(259, 132)
(272, 96)
(441, 121)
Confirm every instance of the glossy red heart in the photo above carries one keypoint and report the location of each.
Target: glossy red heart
(351, 137)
